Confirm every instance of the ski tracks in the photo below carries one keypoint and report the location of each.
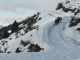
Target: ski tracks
(46, 32)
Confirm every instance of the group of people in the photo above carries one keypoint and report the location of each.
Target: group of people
(58, 20)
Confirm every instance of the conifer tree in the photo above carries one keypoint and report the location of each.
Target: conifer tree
(6, 34)
(14, 26)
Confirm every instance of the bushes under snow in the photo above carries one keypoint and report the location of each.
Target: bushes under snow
(34, 48)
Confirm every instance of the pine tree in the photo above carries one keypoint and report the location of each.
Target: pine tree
(6, 34)
(14, 26)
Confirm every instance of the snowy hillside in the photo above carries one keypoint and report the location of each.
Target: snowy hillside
(39, 33)
(21, 40)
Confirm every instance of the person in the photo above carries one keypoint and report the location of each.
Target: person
(60, 19)
(57, 20)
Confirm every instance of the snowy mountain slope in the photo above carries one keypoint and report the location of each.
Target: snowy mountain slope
(57, 45)
(31, 37)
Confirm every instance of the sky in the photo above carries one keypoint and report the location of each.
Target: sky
(18, 10)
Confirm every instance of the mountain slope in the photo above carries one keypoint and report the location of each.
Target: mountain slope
(21, 40)
(55, 41)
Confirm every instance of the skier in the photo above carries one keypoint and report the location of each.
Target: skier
(57, 20)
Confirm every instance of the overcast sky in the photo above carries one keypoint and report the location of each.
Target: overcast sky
(11, 10)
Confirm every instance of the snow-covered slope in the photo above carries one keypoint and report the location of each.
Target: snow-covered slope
(13, 42)
(58, 41)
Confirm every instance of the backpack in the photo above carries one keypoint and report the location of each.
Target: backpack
(60, 18)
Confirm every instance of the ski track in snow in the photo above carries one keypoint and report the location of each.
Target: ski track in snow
(46, 33)
(64, 47)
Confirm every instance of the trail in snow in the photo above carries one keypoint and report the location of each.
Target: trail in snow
(62, 45)
(46, 32)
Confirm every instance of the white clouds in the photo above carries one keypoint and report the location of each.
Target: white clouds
(52, 4)
(29, 4)
(7, 6)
